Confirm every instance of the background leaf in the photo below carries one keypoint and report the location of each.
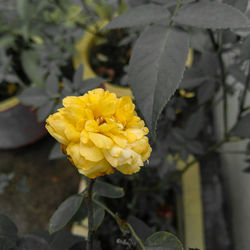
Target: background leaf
(65, 212)
(108, 190)
(141, 15)
(52, 85)
(239, 4)
(156, 68)
(78, 77)
(89, 84)
(7, 228)
(33, 96)
(242, 128)
(211, 15)
(98, 214)
(56, 152)
(163, 241)
(44, 111)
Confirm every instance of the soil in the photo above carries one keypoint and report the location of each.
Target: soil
(38, 185)
(108, 59)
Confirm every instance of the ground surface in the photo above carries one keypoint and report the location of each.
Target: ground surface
(38, 185)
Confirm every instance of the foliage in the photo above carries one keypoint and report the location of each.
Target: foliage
(176, 101)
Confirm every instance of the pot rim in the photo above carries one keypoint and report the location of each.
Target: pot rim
(9, 103)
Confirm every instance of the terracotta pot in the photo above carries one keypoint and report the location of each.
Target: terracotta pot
(18, 125)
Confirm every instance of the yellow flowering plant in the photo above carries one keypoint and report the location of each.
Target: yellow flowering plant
(100, 133)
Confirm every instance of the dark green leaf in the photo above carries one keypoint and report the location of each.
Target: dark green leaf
(67, 88)
(212, 15)
(192, 78)
(156, 68)
(138, 16)
(52, 85)
(108, 190)
(6, 41)
(141, 229)
(163, 241)
(64, 240)
(7, 228)
(89, 84)
(30, 63)
(32, 242)
(78, 77)
(195, 147)
(33, 96)
(65, 212)
(98, 215)
(242, 128)
(194, 124)
(245, 49)
(239, 4)
(206, 92)
(56, 152)
(44, 111)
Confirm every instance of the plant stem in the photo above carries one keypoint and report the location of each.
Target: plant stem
(90, 215)
(123, 225)
(244, 95)
(223, 80)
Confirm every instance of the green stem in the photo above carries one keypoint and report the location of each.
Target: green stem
(123, 225)
(223, 80)
(90, 215)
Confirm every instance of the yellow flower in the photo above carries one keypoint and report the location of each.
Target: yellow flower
(100, 133)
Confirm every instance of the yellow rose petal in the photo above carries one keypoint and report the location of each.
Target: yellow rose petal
(101, 141)
(91, 153)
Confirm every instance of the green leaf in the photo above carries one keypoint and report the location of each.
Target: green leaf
(138, 16)
(30, 63)
(78, 77)
(56, 152)
(242, 128)
(52, 85)
(212, 15)
(206, 92)
(98, 215)
(163, 241)
(33, 96)
(65, 212)
(6, 41)
(89, 84)
(108, 190)
(67, 88)
(7, 228)
(239, 4)
(156, 68)
(44, 111)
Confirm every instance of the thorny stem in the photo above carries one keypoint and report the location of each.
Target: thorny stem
(123, 225)
(223, 80)
(90, 215)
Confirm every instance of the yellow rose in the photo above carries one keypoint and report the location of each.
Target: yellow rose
(100, 133)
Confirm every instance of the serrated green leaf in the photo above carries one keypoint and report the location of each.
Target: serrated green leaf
(141, 15)
(30, 63)
(98, 216)
(212, 15)
(108, 190)
(156, 68)
(65, 212)
(239, 4)
(33, 96)
(242, 127)
(44, 111)
(52, 85)
(78, 77)
(163, 241)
